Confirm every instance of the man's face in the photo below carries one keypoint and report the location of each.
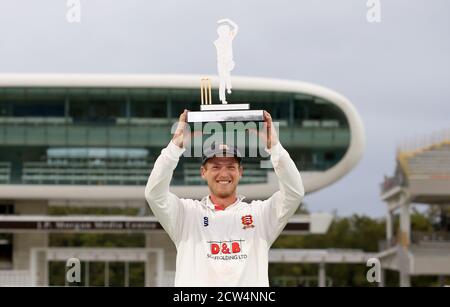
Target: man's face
(222, 175)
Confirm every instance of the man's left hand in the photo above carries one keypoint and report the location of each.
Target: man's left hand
(271, 134)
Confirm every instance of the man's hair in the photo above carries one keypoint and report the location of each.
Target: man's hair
(238, 161)
(221, 150)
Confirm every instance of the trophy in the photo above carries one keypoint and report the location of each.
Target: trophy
(223, 112)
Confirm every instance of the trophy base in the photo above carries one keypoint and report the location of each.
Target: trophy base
(225, 116)
(224, 107)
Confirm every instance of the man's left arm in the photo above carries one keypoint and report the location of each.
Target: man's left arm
(276, 211)
(282, 204)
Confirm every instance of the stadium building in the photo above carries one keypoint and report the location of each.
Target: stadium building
(76, 152)
(421, 176)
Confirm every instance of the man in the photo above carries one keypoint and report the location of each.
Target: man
(223, 240)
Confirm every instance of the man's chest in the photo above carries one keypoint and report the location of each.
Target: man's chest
(226, 231)
(227, 222)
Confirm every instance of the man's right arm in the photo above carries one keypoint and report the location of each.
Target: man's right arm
(166, 206)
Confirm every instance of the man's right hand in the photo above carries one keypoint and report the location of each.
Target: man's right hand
(180, 132)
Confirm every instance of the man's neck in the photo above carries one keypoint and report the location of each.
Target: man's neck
(223, 201)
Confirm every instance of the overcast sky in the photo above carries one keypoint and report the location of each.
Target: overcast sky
(396, 72)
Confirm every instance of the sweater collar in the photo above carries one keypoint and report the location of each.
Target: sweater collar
(207, 201)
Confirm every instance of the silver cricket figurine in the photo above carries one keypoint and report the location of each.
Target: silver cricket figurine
(224, 112)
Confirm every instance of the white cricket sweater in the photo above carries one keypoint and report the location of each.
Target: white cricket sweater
(228, 247)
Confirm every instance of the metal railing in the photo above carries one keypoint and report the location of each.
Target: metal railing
(417, 237)
(117, 172)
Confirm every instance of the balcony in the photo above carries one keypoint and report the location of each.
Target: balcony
(115, 173)
(308, 142)
(64, 131)
(118, 172)
(419, 238)
(5, 172)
